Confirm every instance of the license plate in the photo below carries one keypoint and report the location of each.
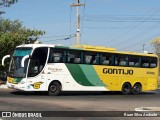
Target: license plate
(9, 79)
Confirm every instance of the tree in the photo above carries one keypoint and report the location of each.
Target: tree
(156, 45)
(6, 3)
(13, 33)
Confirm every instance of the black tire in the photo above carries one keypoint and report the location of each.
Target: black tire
(54, 89)
(126, 89)
(137, 88)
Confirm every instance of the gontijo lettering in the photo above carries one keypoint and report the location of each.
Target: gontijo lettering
(118, 71)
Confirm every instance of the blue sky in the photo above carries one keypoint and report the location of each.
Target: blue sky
(122, 24)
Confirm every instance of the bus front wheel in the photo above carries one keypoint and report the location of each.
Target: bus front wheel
(54, 89)
(137, 88)
(126, 89)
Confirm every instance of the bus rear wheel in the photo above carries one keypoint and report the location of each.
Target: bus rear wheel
(137, 88)
(54, 89)
(126, 89)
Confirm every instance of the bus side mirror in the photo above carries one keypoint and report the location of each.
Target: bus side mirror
(23, 60)
(30, 56)
(3, 59)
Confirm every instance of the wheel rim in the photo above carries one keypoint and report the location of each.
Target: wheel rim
(126, 89)
(136, 88)
(53, 88)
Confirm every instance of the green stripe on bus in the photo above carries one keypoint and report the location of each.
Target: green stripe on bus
(17, 80)
(78, 74)
(91, 75)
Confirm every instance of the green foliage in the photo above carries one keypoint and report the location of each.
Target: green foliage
(156, 45)
(12, 33)
(7, 3)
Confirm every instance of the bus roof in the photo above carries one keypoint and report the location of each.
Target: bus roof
(87, 48)
(38, 45)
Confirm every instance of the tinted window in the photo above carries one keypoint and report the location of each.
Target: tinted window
(37, 61)
(121, 60)
(153, 62)
(134, 61)
(90, 58)
(56, 56)
(106, 59)
(73, 57)
(93, 58)
(145, 61)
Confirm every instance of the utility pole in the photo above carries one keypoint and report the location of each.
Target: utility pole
(143, 47)
(77, 5)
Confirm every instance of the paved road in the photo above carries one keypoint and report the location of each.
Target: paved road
(91, 101)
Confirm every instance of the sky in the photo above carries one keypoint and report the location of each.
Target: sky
(127, 25)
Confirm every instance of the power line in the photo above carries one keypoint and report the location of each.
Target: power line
(123, 19)
(124, 33)
(56, 40)
(55, 36)
(61, 39)
(142, 49)
(120, 17)
(133, 45)
(139, 35)
(128, 27)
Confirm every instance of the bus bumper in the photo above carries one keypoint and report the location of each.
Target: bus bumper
(9, 85)
(16, 86)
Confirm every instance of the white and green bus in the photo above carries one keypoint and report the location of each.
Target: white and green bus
(56, 68)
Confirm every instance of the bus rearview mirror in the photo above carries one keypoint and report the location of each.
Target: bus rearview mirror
(3, 59)
(23, 60)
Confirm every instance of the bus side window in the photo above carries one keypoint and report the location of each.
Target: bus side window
(145, 65)
(70, 58)
(116, 60)
(136, 64)
(77, 60)
(131, 64)
(153, 65)
(121, 60)
(95, 59)
(145, 62)
(134, 61)
(56, 56)
(90, 58)
(105, 62)
(73, 56)
(106, 59)
(153, 62)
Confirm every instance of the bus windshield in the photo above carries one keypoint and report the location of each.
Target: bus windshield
(15, 69)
